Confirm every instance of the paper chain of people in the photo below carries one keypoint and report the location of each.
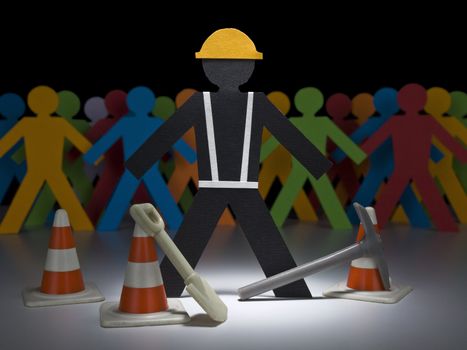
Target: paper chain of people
(411, 138)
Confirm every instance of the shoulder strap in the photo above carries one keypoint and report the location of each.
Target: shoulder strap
(210, 135)
(247, 138)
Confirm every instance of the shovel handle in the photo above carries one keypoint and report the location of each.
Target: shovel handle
(147, 217)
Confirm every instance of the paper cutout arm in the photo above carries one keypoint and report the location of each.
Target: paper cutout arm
(105, 142)
(92, 134)
(11, 138)
(362, 133)
(161, 141)
(456, 128)
(462, 134)
(344, 142)
(454, 146)
(268, 148)
(378, 138)
(76, 138)
(186, 151)
(290, 137)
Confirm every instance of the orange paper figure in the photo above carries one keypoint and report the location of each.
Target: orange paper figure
(438, 103)
(44, 138)
(185, 172)
(279, 164)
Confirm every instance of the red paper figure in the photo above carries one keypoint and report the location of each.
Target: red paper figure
(411, 136)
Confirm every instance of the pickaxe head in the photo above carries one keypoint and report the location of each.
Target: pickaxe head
(373, 245)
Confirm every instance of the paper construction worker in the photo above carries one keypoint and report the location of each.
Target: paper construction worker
(228, 125)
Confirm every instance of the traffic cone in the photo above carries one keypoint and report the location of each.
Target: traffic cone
(143, 301)
(62, 280)
(363, 272)
(364, 281)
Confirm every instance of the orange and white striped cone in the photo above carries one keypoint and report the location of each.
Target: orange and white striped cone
(143, 301)
(363, 272)
(364, 281)
(62, 280)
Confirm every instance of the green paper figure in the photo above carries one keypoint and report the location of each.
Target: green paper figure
(317, 129)
(459, 110)
(69, 106)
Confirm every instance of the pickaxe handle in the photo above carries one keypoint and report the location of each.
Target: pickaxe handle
(281, 279)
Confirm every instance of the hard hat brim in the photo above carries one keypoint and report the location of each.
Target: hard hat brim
(252, 56)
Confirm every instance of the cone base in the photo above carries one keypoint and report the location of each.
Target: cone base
(32, 297)
(392, 296)
(112, 317)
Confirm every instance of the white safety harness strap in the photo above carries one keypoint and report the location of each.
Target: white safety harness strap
(215, 182)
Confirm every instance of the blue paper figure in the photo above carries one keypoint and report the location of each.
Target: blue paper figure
(134, 129)
(382, 164)
(12, 107)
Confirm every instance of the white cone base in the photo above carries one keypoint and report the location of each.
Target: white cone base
(112, 317)
(392, 296)
(32, 297)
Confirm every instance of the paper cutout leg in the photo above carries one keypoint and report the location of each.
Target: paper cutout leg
(461, 172)
(67, 199)
(348, 180)
(324, 190)
(178, 184)
(5, 177)
(193, 235)
(330, 203)
(41, 209)
(413, 209)
(265, 240)
(21, 204)
(46, 200)
(341, 193)
(283, 204)
(183, 173)
(179, 180)
(301, 205)
(186, 199)
(79, 179)
(120, 200)
(141, 195)
(452, 188)
(163, 198)
(434, 203)
(263, 236)
(370, 185)
(7, 174)
(102, 192)
(119, 203)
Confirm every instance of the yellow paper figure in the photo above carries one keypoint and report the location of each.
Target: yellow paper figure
(439, 102)
(276, 165)
(44, 137)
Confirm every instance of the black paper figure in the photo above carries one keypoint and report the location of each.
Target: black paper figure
(228, 126)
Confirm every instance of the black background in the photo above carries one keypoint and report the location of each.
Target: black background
(348, 49)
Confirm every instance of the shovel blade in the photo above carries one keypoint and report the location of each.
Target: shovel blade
(206, 297)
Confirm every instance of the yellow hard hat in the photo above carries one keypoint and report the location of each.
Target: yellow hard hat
(229, 43)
